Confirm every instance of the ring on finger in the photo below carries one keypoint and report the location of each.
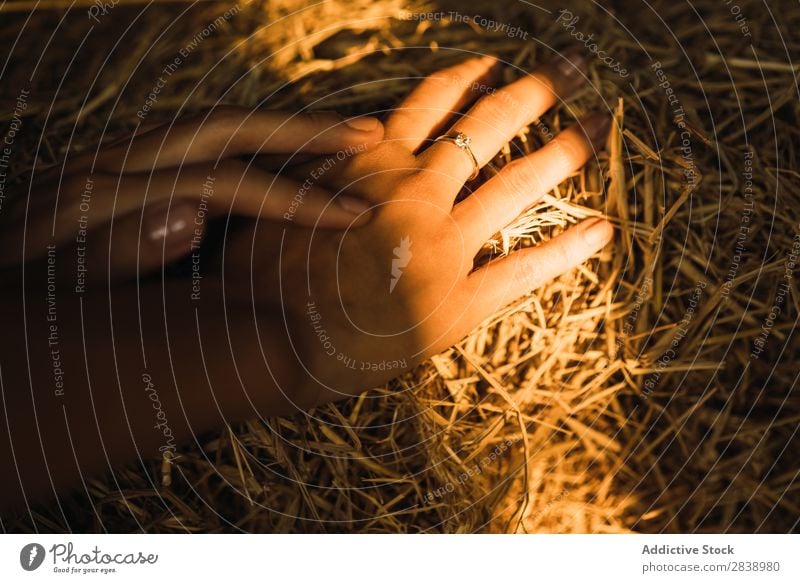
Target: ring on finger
(463, 141)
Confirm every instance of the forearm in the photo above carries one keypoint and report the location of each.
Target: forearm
(92, 381)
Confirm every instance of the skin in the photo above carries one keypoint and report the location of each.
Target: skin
(151, 184)
(286, 315)
(125, 334)
(348, 329)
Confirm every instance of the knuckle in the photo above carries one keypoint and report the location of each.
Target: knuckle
(215, 127)
(528, 274)
(564, 253)
(522, 176)
(417, 181)
(494, 111)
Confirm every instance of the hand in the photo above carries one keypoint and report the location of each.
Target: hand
(134, 206)
(363, 305)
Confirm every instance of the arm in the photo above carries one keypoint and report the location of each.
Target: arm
(86, 391)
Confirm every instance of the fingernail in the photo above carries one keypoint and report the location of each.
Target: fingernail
(362, 124)
(352, 204)
(571, 63)
(493, 68)
(567, 72)
(492, 61)
(596, 127)
(170, 225)
(596, 232)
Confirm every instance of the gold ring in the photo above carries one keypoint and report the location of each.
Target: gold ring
(463, 141)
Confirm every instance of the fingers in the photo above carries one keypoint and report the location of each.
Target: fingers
(228, 131)
(87, 204)
(504, 280)
(423, 113)
(141, 242)
(524, 181)
(496, 118)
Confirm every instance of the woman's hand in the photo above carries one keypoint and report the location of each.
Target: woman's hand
(363, 305)
(131, 207)
(75, 366)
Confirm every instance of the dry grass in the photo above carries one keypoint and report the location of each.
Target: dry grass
(591, 433)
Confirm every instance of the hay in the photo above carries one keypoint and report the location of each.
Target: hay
(586, 425)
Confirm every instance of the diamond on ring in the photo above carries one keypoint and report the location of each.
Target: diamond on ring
(462, 141)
